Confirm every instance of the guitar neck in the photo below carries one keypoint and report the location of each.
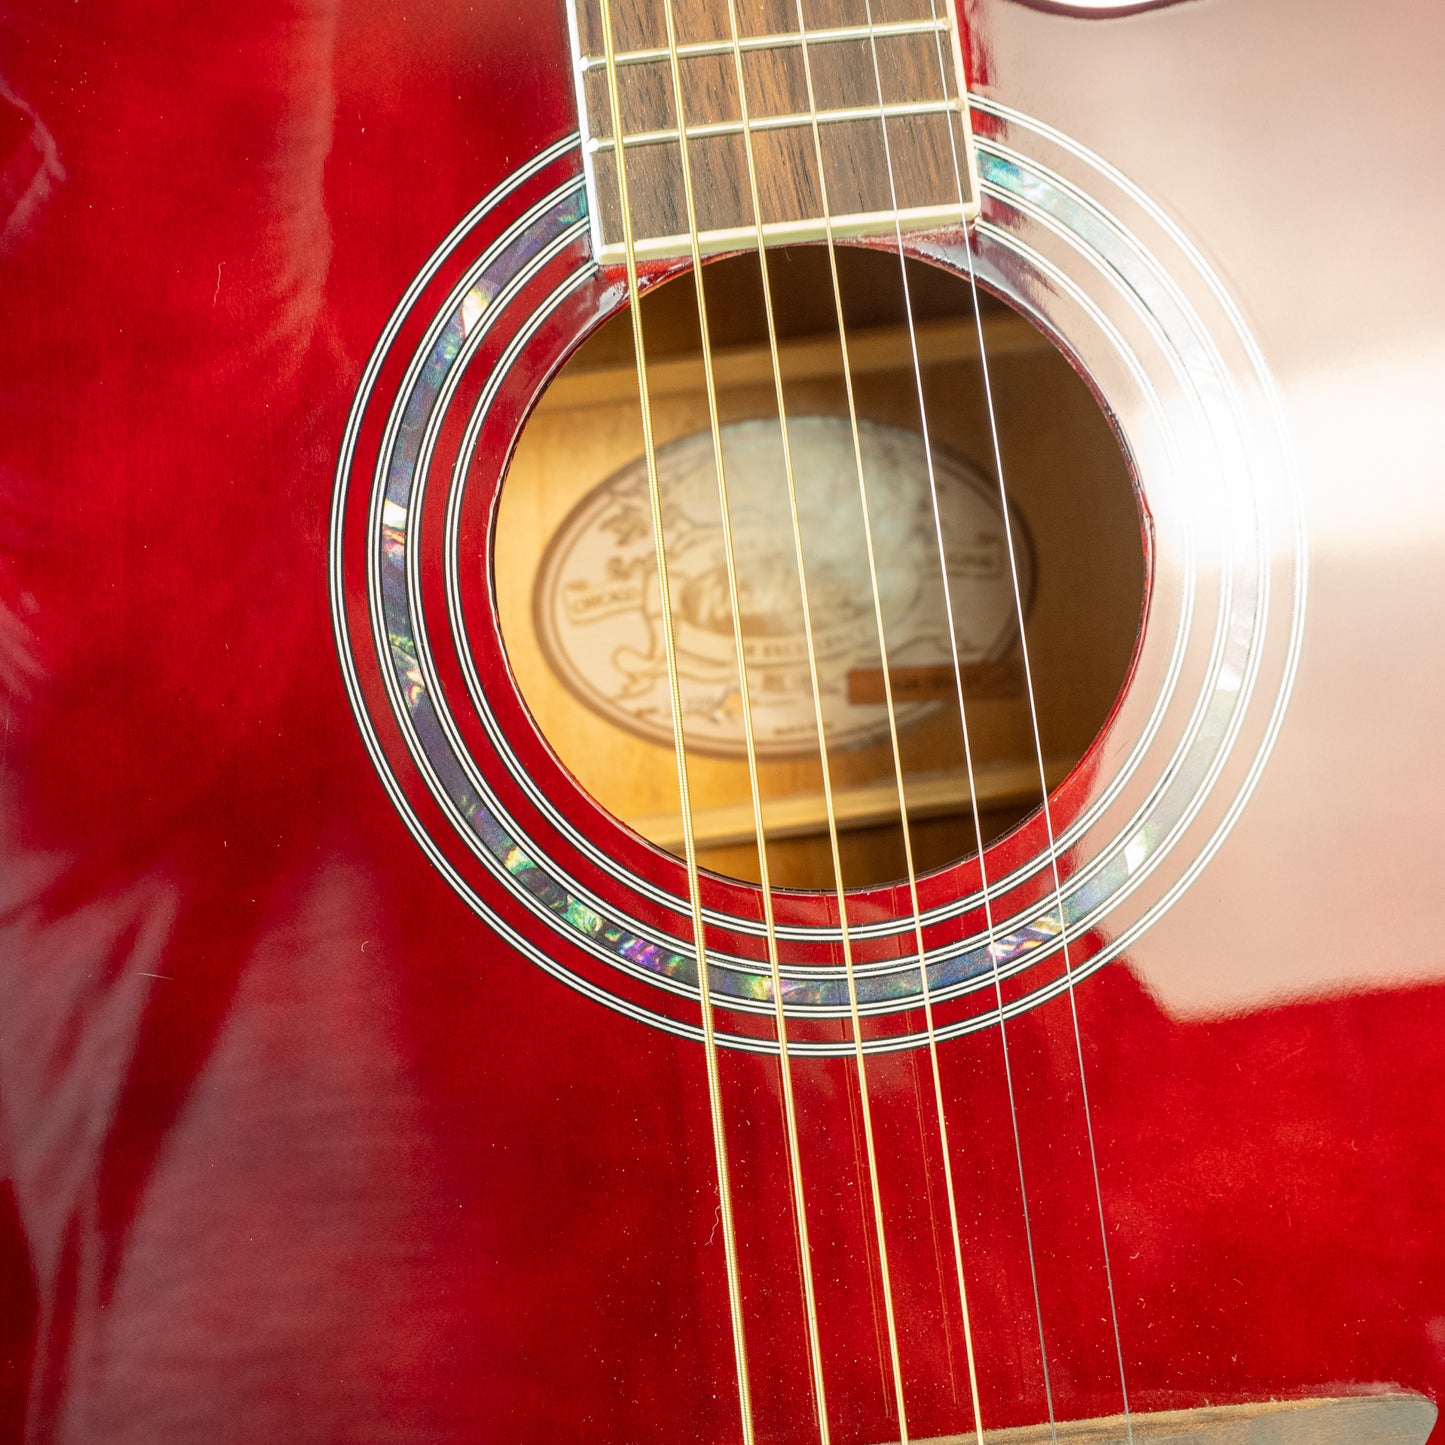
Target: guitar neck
(841, 121)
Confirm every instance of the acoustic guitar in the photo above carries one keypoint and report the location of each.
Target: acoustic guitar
(721, 722)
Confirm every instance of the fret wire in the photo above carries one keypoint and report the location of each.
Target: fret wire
(779, 40)
(729, 238)
(780, 122)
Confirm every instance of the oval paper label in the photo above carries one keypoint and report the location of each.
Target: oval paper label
(597, 599)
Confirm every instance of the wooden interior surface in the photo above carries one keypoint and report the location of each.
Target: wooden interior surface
(1066, 478)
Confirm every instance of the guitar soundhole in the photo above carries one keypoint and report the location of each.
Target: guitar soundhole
(576, 582)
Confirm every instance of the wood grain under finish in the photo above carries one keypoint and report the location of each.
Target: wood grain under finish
(871, 87)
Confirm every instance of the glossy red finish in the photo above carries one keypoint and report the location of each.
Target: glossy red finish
(298, 1148)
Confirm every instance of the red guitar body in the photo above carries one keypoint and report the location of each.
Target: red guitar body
(303, 1145)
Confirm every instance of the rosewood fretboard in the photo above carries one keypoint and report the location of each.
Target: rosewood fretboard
(884, 80)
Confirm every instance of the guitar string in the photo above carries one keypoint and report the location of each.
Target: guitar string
(1048, 826)
(855, 1019)
(795, 1169)
(710, 1051)
(950, 1189)
(887, 686)
(886, 675)
(890, 707)
(930, 1200)
(1058, 888)
(990, 925)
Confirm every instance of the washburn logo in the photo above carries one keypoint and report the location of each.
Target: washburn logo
(597, 600)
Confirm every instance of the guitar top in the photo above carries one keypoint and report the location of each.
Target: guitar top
(836, 853)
